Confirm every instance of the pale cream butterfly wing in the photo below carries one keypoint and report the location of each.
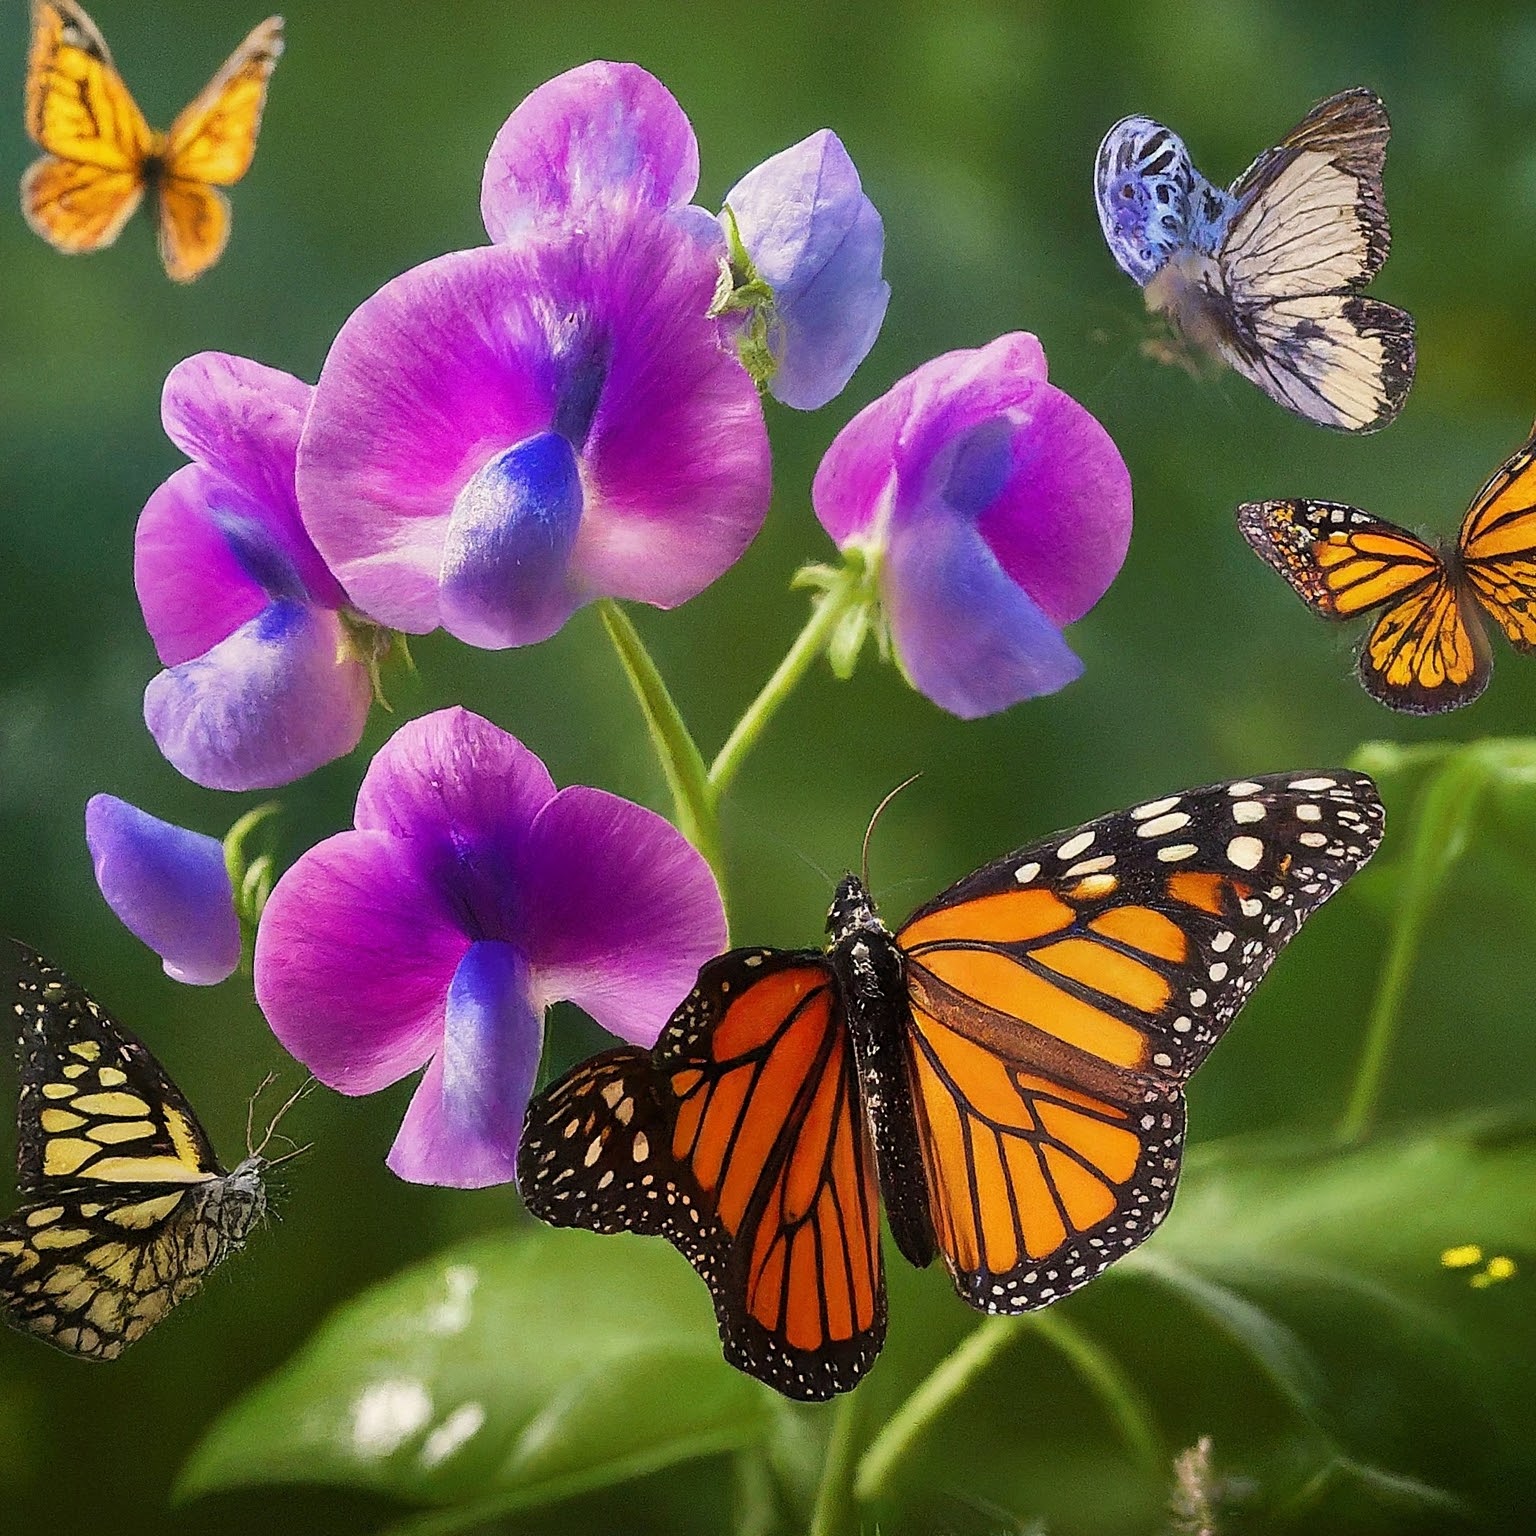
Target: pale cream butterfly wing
(1309, 232)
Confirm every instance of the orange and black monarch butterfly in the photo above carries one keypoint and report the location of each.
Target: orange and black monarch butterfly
(101, 156)
(1006, 1071)
(1428, 650)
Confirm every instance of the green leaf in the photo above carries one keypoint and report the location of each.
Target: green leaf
(507, 1372)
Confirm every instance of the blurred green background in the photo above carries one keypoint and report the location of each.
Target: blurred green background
(974, 126)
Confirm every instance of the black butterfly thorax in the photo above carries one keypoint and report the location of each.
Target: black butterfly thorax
(870, 972)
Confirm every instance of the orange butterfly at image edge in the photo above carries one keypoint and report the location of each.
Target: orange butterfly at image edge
(1428, 651)
(102, 156)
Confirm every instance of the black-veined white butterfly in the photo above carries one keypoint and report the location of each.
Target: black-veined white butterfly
(1267, 274)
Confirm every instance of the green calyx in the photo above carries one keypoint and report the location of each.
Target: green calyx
(374, 646)
(741, 290)
(852, 591)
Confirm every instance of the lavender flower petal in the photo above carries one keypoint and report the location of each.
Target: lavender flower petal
(265, 706)
(242, 420)
(168, 886)
(818, 241)
(354, 957)
(509, 544)
(966, 636)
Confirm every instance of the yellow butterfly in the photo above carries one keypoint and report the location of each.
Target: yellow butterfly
(128, 1208)
(102, 156)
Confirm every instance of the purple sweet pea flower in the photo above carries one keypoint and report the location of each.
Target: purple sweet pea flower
(168, 886)
(995, 510)
(817, 241)
(602, 133)
(470, 896)
(502, 435)
(261, 683)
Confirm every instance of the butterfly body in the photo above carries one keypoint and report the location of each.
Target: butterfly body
(1428, 650)
(1004, 1072)
(128, 1208)
(1266, 275)
(101, 157)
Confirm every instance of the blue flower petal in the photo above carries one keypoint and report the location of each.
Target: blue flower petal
(464, 1120)
(965, 635)
(274, 701)
(508, 548)
(169, 887)
(818, 242)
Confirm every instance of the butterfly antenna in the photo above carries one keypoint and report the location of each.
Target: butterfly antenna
(814, 867)
(294, 1151)
(869, 831)
(287, 1104)
(250, 1112)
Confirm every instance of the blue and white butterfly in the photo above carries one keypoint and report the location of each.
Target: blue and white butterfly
(1267, 274)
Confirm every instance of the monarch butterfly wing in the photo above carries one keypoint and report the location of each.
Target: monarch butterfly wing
(1425, 653)
(1311, 230)
(87, 185)
(1062, 996)
(130, 1208)
(210, 145)
(741, 1139)
(96, 1109)
(1497, 547)
(214, 139)
(1339, 560)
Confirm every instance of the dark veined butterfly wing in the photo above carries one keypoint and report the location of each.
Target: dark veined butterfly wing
(211, 145)
(129, 1209)
(1497, 547)
(1426, 652)
(1309, 232)
(1268, 275)
(91, 178)
(1061, 996)
(740, 1138)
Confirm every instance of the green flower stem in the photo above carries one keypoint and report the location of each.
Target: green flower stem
(831, 607)
(1113, 1388)
(1442, 823)
(953, 1377)
(832, 1501)
(681, 760)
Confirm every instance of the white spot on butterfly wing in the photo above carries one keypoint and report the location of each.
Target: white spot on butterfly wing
(1245, 852)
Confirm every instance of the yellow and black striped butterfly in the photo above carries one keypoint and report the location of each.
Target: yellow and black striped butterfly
(1006, 1071)
(101, 156)
(1267, 275)
(128, 1208)
(1428, 650)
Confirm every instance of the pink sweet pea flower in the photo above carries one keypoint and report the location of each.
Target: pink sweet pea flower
(470, 896)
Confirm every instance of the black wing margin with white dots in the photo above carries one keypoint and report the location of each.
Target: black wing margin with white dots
(1062, 995)
(94, 1106)
(742, 1140)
